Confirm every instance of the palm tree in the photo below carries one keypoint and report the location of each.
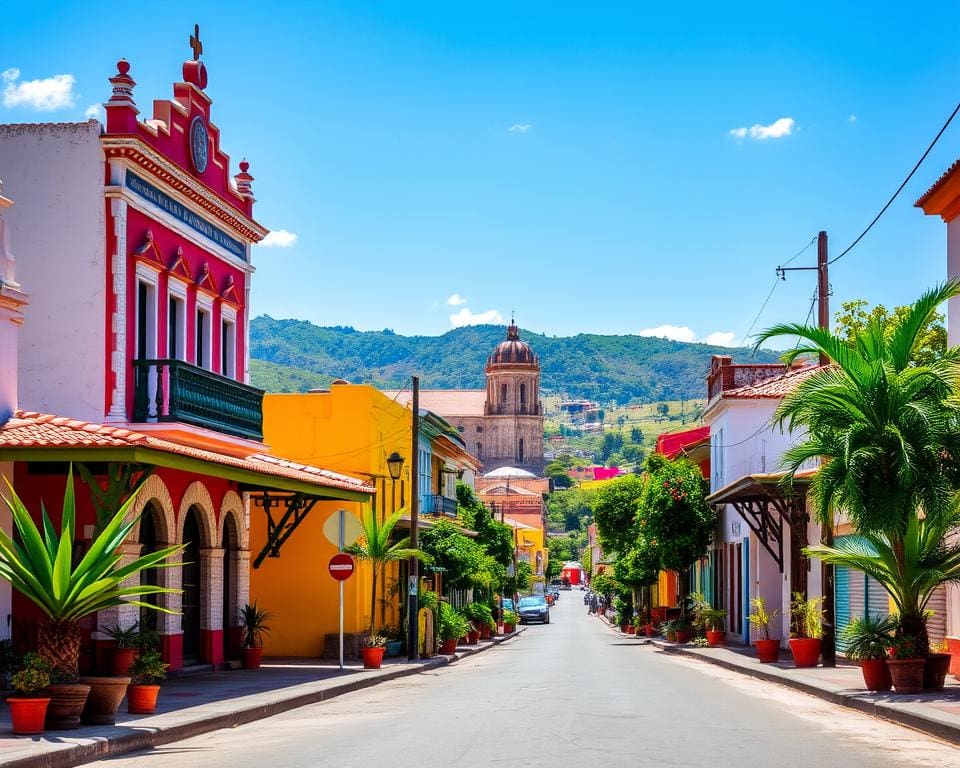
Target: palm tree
(375, 547)
(887, 431)
(40, 566)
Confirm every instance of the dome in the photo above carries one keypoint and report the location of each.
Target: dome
(515, 472)
(513, 350)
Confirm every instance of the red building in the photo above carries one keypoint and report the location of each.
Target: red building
(135, 241)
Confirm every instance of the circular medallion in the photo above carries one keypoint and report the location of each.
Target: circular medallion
(199, 144)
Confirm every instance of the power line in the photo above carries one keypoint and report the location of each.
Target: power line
(899, 189)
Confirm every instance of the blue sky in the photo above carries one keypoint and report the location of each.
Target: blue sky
(581, 165)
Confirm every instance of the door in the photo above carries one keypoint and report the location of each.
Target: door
(190, 620)
(150, 576)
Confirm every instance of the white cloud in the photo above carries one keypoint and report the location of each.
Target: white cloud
(852, 119)
(672, 332)
(466, 317)
(519, 127)
(279, 238)
(456, 300)
(46, 95)
(776, 130)
(720, 338)
(93, 112)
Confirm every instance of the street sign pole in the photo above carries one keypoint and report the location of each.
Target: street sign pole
(340, 514)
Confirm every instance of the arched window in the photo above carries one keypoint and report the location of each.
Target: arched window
(520, 449)
(523, 393)
(479, 451)
(503, 394)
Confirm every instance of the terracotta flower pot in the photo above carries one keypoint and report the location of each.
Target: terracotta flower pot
(907, 674)
(509, 628)
(66, 705)
(935, 671)
(448, 647)
(372, 657)
(106, 693)
(684, 635)
(485, 632)
(142, 699)
(250, 658)
(649, 630)
(715, 637)
(806, 651)
(768, 651)
(121, 660)
(473, 637)
(876, 674)
(630, 629)
(28, 714)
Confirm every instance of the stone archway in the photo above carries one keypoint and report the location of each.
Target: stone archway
(200, 574)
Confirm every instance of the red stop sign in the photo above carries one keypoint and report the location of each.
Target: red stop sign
(341, 566)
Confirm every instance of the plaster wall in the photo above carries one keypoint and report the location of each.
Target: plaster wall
(55, 172)
(953, 270)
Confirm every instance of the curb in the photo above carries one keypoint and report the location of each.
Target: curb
(146, 737)
(861, 703)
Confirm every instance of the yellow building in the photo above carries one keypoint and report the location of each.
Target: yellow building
(351, 429)
(530, 547)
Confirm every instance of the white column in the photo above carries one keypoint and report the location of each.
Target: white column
(211, 592)
(170, 623)
(241, 584)
(121, 615)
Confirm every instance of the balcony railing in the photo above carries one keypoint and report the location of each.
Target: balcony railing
(439, 505)
(724, 375)
(175, 391)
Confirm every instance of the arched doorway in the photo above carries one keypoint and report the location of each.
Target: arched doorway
(191, 585)
(151, 522)
(230, 542)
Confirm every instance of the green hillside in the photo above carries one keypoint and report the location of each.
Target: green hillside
(294, 355)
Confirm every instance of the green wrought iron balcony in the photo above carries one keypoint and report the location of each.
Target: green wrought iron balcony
(175, 391)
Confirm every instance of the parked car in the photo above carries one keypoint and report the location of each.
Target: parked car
(533, 608)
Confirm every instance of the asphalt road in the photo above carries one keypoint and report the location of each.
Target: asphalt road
(571, 693)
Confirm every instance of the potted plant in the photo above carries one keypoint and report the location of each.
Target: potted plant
(935, 667)
(867, 640)
(768, 649)
(452, 625)
(806, 628)
(683, 629)
(28, 709)
(481, 616)
(41, 567)
(147, 672)
(253, 622)
(374, 646)
(510, 619)
(394, 637)
(668, 630)
(709, 620)
(126, 644)
(906, 664)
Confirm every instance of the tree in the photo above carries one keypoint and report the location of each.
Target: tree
(887, 430)
(495, 537)
(853, 319)
(675, 517)
(662, 410)
(615, 511)
(375, 547)
(636, 435)
(465, 562)
(637, 568)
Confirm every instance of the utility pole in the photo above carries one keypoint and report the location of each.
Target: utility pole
(413, 608)
(823, 289)
(828, 649)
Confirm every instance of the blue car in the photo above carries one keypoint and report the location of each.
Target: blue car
(533, 608)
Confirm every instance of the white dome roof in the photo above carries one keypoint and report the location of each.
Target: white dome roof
(510, 472)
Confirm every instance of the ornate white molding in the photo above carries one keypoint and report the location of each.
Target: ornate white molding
(118, 321)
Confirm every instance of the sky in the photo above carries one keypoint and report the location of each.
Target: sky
(595, 168)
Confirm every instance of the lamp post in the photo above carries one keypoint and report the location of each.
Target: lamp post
(394, 467)
(413, 612)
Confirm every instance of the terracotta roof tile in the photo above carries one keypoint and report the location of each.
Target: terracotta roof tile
(40, 430)
(922, 200)
(776, 387)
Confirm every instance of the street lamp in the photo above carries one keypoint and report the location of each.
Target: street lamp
(394, 466)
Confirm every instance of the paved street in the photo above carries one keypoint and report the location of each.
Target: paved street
(571, 691)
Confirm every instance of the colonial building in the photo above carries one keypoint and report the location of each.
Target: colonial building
(502, 425)
(136, 242)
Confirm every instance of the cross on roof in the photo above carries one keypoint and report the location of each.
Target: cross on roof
(195, 42)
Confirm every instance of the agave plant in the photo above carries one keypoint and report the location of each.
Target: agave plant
(40, 567)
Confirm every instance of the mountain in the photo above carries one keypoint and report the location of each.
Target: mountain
(294, 355)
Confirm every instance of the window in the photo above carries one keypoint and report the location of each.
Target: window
(228, 348)
(176, 329)
(460, 428)
(479, 429)
(479, 451)
(146, 320)
(523, 394)
(503, 394)
(203, 338)
(520, 449)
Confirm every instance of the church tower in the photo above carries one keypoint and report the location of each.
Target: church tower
(514, 415)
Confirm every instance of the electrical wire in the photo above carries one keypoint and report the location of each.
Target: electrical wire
(899, 189)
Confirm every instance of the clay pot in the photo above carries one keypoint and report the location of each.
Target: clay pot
(630, 629)
(806, 651)
(473, 637)
(121, 661)
(509, 628)
(907, 674)
(448, 647)
(250, 657)
(485, 632)
(372, 657)
(684, 635)
(66, 705)
(768, 651)
(649, 630)
(935, 671)
(28, 714)
(142, 699)
(716, 637)
(876, 674)
(106, 693)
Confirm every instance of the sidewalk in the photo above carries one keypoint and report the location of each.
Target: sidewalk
(936, 713)
(190, 706)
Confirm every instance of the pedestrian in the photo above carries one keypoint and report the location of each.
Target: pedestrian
(593, 604)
